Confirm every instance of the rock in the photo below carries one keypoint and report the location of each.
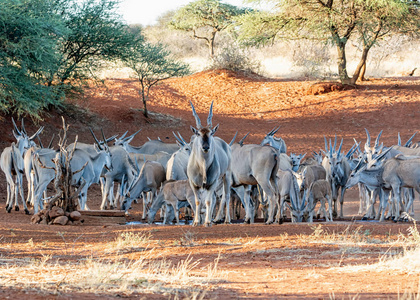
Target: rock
(324, 87)
(75, 216)
(56, 212)
(78, 223)
(61, 220)
(36, 218)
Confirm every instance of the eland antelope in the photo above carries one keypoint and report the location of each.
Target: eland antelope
(209, 162)
(277, 143)
(254, 164)
(11, 163)
(92, 166)
(337, 172)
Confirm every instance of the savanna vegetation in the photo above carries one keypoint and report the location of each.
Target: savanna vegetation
(49, 48)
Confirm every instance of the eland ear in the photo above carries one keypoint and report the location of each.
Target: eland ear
(129, 139)
(15, 135)
(213, 131)
(195, 131)
(96, 147)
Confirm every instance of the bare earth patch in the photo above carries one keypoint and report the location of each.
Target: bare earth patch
(345, 259)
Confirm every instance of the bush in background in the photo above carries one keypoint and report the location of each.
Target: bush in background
(235, 59)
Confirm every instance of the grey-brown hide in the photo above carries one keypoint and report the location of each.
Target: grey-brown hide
(337, 171)
(171, 193)
(123, 172)
(289, 190)
(254, 164)
(91, 165)
(150, 147)
(160, 157)
(309, 161)
(29, 174)
(401, 172)
(149, 179)
(23, 141)
(396, 149)
(209, 162)
(277, 143)
(371, 151)
(177, 164)
(285, 162)
(319, 191)
(11, 163)
(309, 174)
(296, 159)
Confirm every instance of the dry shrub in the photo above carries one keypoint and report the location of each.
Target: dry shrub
(235, 59)
(311, 58)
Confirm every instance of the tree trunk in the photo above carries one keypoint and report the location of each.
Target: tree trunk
(362, 73)
(144, 97)
(342, 62)
(211, 44)
(361, 65)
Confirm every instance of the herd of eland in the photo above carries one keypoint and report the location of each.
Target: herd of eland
(203, 175)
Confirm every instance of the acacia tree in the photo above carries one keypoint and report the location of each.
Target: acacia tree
(28, 53)
(332, 20)
(96, 32)
(204, 19)
(380, 20)
(45, 42)
(152, 63)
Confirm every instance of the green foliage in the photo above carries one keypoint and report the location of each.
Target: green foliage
(204, 18)
(95, 33)
(45, 42)
(259, 28)
(28, 52)
(152, 63)
(202, 13)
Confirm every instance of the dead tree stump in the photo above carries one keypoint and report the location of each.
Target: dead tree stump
(65, 198)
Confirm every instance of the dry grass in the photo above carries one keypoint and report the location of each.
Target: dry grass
(128, 242)
(406, 261)
(112, 275)
(354, 236)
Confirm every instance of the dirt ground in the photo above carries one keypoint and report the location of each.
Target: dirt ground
(289, 261)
